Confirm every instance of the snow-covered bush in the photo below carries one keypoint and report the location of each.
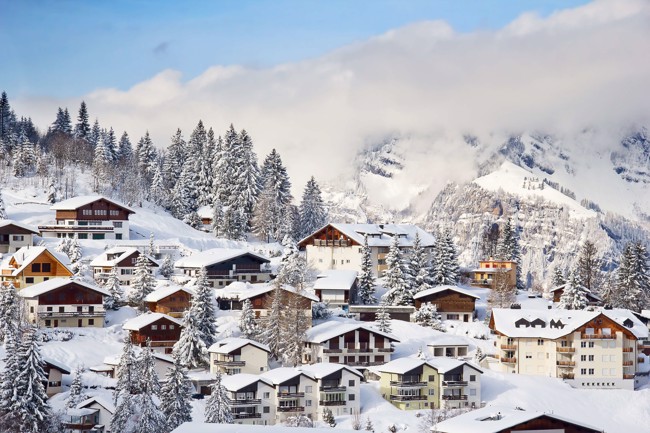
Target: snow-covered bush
(319, 310)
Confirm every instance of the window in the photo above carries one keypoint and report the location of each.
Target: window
(115, 213)
(18, 238)
(350, 397)
(308, 389)
(453, 317)
(87, 212)
(591, 344)
(82, 236)
(605, 371)
(472, 392)
(351, 382)
(591, 357)
(591, 371)
(46, 267)
(472, 378)
(612, 372)
(154, 327)
(99, 235)
(61, 309)
(307, 402)
(540, 342)
(36, 267)
(583, 357)
(612, 358)
(29, 280)
(31, 309)
(583, 371)
(381, 262)
(432, 378)
(529, 355)
(266, 395)
(118, 236)
(48, 308)
(432, 391)
(91, 321)
(171, 326)
(266, 409)
(583, 344)
(48, 323)
(101, 212)
(163, 327)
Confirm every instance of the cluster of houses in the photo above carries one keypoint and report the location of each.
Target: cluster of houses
(591, 349)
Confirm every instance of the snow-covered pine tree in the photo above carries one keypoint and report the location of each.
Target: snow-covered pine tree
(573, 296)
(193, 220)
(3, 211)
(247, 182)
(174, 158)
(292, 265)
(126, 371)
(158, 193)
(75, 257)
(234, 223)
(9, 420)
(633, 278)
(274, 196)
(125, 149)
(202, 304)
(395, 277)
(294, 329)
(312, 209)
(588, 267)
(116, 294)
(366, 277)
(167, 267)
(142, 284)
(452, 257)
(382, 318)
(95, 134)
(369, 426)
(151, 417)
(76, 394)
(51, 193)
(300, 420)
(175, 395)
(217, 409)
(247, 323)
(508, 249)
(181, 201)
(9, 312)
(429, 317)
(190, 347)
(146, 158)
(218, 219)
(558, 277)
(82, 128)
(272, 324)
(328, 417)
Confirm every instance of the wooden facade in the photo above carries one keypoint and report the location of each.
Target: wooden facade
(173, 305)
(40, 268)
(449, 301)
(162, 333)
(328, 236)
(246, 263)
(99, 210)
(71, 294)
(547, 423)
(264, 300)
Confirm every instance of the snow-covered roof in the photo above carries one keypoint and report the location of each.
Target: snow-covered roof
(564, 322)
(80, 412)
(143, 320)
(328, 330)
(82, 200)
(56, 364)
(205, 212)
(448, 340)
(25, 255)
(323, 369)
(381, 235)
(201, 427)
(163, 292)
(443, 364)
(236, 382)
(228, 345)
(5, 223)
(583, 288)
(57, 283)
(124, 252)
(282, 374)
(402, 365)
(494, 419)
(335, 279)
(438, 289)
(213, 256)
(265, 288)
(106, 404)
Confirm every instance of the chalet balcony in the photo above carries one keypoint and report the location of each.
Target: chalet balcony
(246, 415)
(332, 350)
(508, 360)
(363, 364)
(332, 389)
(454, 383)
(395, 397)
(644, 345)
(567, 376)
(454, 397)
(65, 228)
(407, 384)
(331, 243)
(628, 363)
(47, 314)
(569, 350)
(291, 395)
(628, 376)
(290, 408)
(385, 349)
(628, 350)
(565, 364)
(508, 347)
(229, 363)
(598, 336)
(332, 403)
(248, 402)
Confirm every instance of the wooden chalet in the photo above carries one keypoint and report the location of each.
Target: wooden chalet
(14, 236)
(453, 303)
(368, 313)
(32, 265)
(592, 298)
(224, 266)
(163, 331)
(261, 299)
(124, 260)
(171, 300)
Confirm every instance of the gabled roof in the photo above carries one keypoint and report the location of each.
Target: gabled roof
(328, 330)
(588, 292)
(228, 345)
(163, 292)
(402, 365)
(280, 375)
(494, 419)
(555, 323)
(75, 203)
(106, 404)
(26, 255)
(145, 319)
(444, 365)
(448, 340)
(241, 290)
(439, 289)
(335, 279)
(124, 252)
(235, 382)
(5, 223)
(214, 256)
(380, 235)
(324, 369)
(205, 212)
(57, 283)
(56, 364)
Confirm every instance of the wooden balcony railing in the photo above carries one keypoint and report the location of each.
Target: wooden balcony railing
(290, 394)
(332, 389)
(628, 363)
(248, 402)
(454, 383)
(508, 360)
(598, 336)
(628, 376)
(640, 360)
(244, 415)
(229, 363)
(46, 314)
(628, 349)
(566, 349)
(508, 347)
(565, 363)
(567, 376)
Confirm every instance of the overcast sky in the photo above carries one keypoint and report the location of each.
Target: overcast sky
(319, 80)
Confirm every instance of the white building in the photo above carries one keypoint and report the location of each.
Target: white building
(89, 217)
(460, 384)
(591, 349)
(124, 260)
(338, 387)
(252, 399)
(296, 393)
(14, 235)
(239, 355)
(104, 410)
(336, 287)
(339, 246)
(225, 265)
(449, 346)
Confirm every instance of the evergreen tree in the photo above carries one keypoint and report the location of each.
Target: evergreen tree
(573, 296)
(126, 371)
(275, 196)
(382, 319)
(142, 284)
(558, 278)
(95, 134)
(9, 312)
(312, 209)
(6, 114)
(190, 348)
(10, 419)
(399, 292)
(181, 202)
(633, 278)
(51, 194)
(151, 417)
(62, 123)
(234, 223)
(76, 395)
(328, 417)
(452, 257)
(589, 265)
(167, 267)
(272, 323)
(218, 219)
(174, 158)
(82, 128)
(508, 249)
(75, 256)
(369, 427)
(247, 322)
(366, 277)
(217, 409)
(3, 212)
(429, 317)
(420, 266)
(111, 302)
(125, 149)
(292, 265)
(202, 305)
(175, 395)
(247, 179)
(294, 329)
(146, 158)
(193, 220)
(158, 193)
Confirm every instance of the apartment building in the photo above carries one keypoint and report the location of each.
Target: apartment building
(339, 246)
(89, 217)
(14, 236)
(62, 302)
(588, 349)
(238, 355)
(252, 399)
(224, 265)
(338, 387)
(459, 385)
(352, 344)
(296, 393)
(484, 275)
(33, 265)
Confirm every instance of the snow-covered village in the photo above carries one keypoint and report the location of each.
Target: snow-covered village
(390, 217)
